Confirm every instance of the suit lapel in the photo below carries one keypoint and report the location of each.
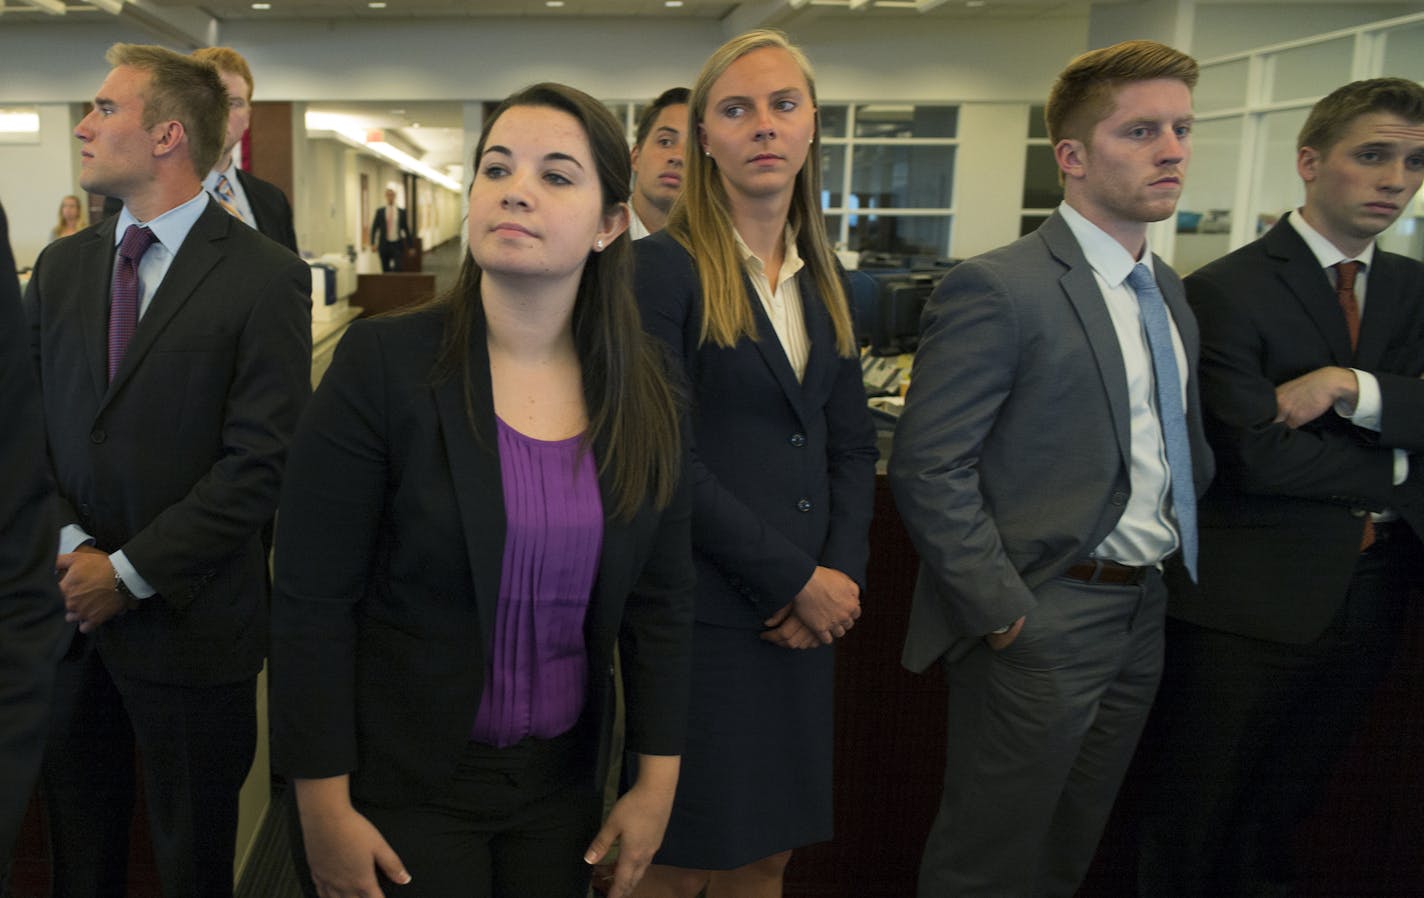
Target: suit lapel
(1377, 323)
(1081, 288)
(199, 254)
(96, 268)
(609, 589)
(1301, 273)
(772, 351)
(819, 332)
(252, 200)
(475, 472)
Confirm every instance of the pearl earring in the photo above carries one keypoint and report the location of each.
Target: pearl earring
(598, 244)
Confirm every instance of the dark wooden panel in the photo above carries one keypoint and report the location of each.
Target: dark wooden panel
(377, 293)
(269, 141)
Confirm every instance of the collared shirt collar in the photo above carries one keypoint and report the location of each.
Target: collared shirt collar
(1107, 257)
(172, 227)
(790, 262)
(1325, 252)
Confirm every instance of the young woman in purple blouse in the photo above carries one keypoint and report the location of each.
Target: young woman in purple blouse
(485, 494)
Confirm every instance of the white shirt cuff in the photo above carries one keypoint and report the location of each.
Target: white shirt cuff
(136, 584)
(1367, 402)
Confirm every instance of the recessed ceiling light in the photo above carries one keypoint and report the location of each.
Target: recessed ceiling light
(553, 4)
(672, 4)
(261, 6)
(376, 4)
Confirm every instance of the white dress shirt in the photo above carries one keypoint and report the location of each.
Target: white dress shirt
(781, 301)
(1147, 531)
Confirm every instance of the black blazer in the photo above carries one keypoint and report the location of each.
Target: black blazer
(783, 472)
(378, 227)
(178, 461)
(270, 208)
(389, 548)
(31, 618)
(1280, 528)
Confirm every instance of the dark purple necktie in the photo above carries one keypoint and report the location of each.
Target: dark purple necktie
(123, 308)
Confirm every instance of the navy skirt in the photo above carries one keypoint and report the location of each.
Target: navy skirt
(756, 772)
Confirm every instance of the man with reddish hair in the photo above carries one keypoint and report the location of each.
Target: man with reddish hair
(1047, 466)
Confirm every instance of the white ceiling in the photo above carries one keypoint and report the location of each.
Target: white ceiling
(774, 11)
(437, 127)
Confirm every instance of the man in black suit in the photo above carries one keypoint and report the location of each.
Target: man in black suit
(1312, 350)
(30, 616)
(172, 375)
(390, 241)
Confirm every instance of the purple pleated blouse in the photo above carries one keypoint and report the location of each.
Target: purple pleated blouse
(538, 671)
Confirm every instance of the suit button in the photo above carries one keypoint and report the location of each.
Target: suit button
(803, 505)
(98, 436)
(1119, 498)
(798, 440)
(84, 510)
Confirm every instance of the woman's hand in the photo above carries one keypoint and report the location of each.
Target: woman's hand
(343, 847)
(637, 822)
(789, 631)
(828, 604)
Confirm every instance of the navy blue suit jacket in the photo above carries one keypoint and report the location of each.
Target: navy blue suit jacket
(783, 472)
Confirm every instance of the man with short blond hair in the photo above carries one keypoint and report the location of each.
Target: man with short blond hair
(1047, 466)
(173, 347)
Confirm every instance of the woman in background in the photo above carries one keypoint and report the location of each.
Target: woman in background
(71, 218)
(482, 497)
(743, 286)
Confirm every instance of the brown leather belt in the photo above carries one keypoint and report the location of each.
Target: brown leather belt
(1100, 570)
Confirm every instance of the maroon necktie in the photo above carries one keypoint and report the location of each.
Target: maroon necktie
(1345, 292)
(123, 307)
(1350, 305)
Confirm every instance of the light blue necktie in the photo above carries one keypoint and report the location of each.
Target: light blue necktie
(1158, 326)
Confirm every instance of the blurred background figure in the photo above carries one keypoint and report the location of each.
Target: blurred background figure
(72, 219)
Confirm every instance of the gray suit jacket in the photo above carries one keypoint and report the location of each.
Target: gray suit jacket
(1011, 459)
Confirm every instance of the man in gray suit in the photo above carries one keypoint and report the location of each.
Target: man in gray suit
(1047, 466)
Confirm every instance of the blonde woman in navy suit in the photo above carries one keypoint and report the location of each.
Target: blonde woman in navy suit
(483, 499)
(743, 287)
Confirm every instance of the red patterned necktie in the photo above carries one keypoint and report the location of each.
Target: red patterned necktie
(1350, 305)
(123, 307)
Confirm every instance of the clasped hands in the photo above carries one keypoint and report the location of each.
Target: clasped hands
(822, 612)
(86, 582)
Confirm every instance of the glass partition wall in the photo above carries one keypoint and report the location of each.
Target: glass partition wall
(1250, 107)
